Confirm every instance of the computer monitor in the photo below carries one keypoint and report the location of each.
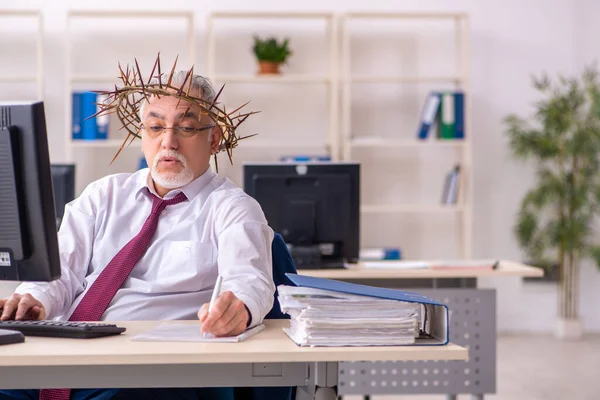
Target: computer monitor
(314, 206)
(28, 237)
(63, 182)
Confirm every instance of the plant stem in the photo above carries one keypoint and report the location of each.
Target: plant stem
(569, 286)
(563, 275)
(572, 283)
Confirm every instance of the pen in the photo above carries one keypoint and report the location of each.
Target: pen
(215, 294)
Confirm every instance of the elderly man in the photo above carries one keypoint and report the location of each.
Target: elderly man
(169, 231)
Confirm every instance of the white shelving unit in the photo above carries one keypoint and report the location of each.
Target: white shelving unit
(339, 83)
(329, 77)
(38, 77)
(71, 78)
(459, 78)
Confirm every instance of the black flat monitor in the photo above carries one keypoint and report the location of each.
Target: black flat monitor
(63, 182)
(28, 237)
(314, 206)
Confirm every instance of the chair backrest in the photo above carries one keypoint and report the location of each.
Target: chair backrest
(282, 264)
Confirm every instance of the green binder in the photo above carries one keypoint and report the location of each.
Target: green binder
(446, 120)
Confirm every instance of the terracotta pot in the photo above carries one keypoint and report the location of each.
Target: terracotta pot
(268, 67)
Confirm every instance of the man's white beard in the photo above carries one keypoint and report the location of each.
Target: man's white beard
(170, 180)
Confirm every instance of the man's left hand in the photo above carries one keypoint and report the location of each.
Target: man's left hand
(228, 316)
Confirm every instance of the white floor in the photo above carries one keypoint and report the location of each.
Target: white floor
(539, 368)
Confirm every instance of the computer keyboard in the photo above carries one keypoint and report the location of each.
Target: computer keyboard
(63, 329)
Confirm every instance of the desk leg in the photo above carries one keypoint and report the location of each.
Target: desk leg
(451, 397)
(322, 382)
(325, 393)
(477, 397)
(320, 393)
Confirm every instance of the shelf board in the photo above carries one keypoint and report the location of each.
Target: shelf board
(403, 79)
(381, 142)
(109, 143)
(284, 78)
(243, 144)
(409, 208)
(257, 144)
(258, 14)
(387, 15)
(129, 13)
(18, 78)
(91, 78)
(20, 13)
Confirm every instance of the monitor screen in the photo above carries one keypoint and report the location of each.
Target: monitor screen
(28, 237)
(314, 206)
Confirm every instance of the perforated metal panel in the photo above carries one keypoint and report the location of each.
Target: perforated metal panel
(473, 325)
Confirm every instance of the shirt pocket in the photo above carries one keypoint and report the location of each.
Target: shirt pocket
(186, 265)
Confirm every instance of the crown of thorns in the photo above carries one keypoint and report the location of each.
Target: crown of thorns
(125, 102)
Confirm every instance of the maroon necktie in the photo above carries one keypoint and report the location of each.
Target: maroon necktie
(104, 288)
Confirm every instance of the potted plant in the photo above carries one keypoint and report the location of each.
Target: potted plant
(554, 223)
(270, 54)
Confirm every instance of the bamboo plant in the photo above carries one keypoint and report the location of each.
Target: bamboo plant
(555, 223)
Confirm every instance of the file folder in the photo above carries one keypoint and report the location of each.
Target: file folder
(434, 320)
(430, 110)
(459, 115)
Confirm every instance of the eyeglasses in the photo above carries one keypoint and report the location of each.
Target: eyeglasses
(155, 130)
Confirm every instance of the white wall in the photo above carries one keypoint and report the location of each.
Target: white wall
(509, 41)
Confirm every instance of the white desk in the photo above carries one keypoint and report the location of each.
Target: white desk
(359, 272)
(267, 359)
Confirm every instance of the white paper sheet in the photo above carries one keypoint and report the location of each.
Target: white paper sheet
(328, 318)
(190, 333)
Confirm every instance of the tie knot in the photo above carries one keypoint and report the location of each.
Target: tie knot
(158, 204)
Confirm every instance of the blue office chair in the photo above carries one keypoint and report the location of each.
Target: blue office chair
(282, 264)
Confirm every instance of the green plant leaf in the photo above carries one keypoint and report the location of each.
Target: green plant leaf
(541, 83)
(270, 50)
(526, 227)
(526, 142)
(594, 254)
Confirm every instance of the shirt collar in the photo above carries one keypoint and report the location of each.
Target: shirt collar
(190, 190)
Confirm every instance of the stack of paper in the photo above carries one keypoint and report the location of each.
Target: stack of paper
(329, 318)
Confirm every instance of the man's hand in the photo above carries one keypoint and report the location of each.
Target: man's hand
(227, 317)
(22, 307)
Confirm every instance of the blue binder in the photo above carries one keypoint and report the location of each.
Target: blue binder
(459, 115)
(89, 127)
(76, 111)
(428, 115)
(434, 316)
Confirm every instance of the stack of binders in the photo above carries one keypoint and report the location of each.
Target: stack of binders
(446, 110)
(331, 313)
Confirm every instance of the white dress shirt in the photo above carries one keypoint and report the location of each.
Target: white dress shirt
(218, 230)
